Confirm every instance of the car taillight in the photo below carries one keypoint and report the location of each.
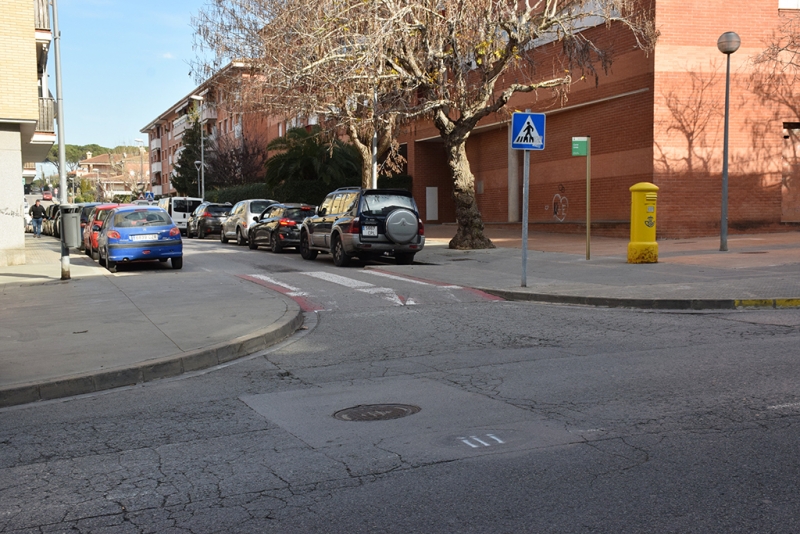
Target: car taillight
(355, 226)
(421, 228)
(287, 222)
(206, 214)
(113, 234)
(174, 231)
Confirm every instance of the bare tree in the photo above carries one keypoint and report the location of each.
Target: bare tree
(235, 161)
(453, 61)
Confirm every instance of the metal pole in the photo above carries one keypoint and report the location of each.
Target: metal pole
(62, 159)
(526, 169)
(723, 231)
(588, 198)
(202, 183)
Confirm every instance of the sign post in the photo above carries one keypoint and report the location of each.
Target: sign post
(582, 146)
(527, 133)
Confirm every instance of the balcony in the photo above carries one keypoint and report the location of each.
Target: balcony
(41, 14)
(179, 125)
(208, 113)
(155, 167)
(47, 114)
(155, 144)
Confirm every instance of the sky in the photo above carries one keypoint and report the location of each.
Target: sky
(123, 63)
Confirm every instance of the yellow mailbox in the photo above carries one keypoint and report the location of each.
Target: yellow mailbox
(643, 247)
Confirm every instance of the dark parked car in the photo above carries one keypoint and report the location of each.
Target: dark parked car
(51, 212)
(366, 223)
(279, 226)
(207, 219)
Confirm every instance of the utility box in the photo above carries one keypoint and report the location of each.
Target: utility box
(71, 225)
(643, 247)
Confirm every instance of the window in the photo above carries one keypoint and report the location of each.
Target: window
(788, 4)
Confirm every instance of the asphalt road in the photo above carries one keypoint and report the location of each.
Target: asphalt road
(532, 418)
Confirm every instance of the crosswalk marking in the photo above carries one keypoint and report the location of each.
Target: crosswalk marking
(293, 291)
(336, 279)
(409, 280)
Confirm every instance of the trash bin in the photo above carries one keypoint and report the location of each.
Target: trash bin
(71, 225)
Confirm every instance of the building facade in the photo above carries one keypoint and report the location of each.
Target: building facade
(654, 118)
(27, 113)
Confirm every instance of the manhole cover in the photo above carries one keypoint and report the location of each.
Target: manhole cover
(376, 412)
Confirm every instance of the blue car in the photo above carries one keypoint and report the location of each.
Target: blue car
(139, 233)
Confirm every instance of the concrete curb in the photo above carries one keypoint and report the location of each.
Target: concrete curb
(645, 304)
(164, 367)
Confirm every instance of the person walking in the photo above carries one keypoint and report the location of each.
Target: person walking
(37, 213)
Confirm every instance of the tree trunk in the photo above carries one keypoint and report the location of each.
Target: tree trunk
(469, 234)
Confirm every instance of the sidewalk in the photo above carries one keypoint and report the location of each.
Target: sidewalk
(56, 337)
(96, 331)
(757, 270)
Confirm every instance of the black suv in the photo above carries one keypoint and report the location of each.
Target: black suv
(366, 223)
(207, 218)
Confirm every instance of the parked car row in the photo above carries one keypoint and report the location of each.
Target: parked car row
(125, 233)
(351, 222)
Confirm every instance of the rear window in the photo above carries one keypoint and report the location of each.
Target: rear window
(128, 219)
(383, 204)
(298, 214)
(187, 206)
(218, 210)
(102, 215)
(258, 207)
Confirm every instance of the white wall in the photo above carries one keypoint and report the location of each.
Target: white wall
(12, 231)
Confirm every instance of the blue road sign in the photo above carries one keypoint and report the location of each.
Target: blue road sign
(148, 195)
(527, 131)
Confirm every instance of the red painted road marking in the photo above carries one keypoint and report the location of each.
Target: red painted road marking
(304, 303)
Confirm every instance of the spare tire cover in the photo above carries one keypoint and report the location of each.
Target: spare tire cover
(401, 226)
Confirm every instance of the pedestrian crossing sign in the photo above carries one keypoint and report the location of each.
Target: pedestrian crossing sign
(527, 131)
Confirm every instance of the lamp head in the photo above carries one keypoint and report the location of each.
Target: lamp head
(197, 164)
(729, 42)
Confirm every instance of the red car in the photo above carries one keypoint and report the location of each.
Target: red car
(93, 225)
(47, 194)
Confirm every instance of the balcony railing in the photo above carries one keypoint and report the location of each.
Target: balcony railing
(47, 114)
(155, 167)
(155, 144)
(41, 14)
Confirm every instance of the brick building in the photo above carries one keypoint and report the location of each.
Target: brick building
(655, 118)
(27, 113)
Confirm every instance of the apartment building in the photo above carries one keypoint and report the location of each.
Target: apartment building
(116, 174)
(27, 113)
(655, 118)
(222, 121)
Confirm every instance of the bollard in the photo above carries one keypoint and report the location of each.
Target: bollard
(643, 247)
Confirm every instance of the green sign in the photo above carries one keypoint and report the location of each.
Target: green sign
(579, 146)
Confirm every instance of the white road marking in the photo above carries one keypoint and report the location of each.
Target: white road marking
(411, 280)
(294, 291)
(498, 440)
(480, 441)
(340, 280)
(465, 440)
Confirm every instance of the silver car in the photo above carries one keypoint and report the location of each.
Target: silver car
(241, 217)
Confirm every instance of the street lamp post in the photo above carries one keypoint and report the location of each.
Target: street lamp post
(198, 165)
(140, 143)
(202, 180)
(728, 43)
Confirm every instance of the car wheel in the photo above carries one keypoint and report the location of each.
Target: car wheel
(200, 234)
(110, 265)
(239, 238)
(188, 232)
(251, 242)
(274, 243)
(95, 254)
(87, 251)
(177, 263)
(222, 237)
(305, 248)
(340, 257)
(404, 259)
(100, 259)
